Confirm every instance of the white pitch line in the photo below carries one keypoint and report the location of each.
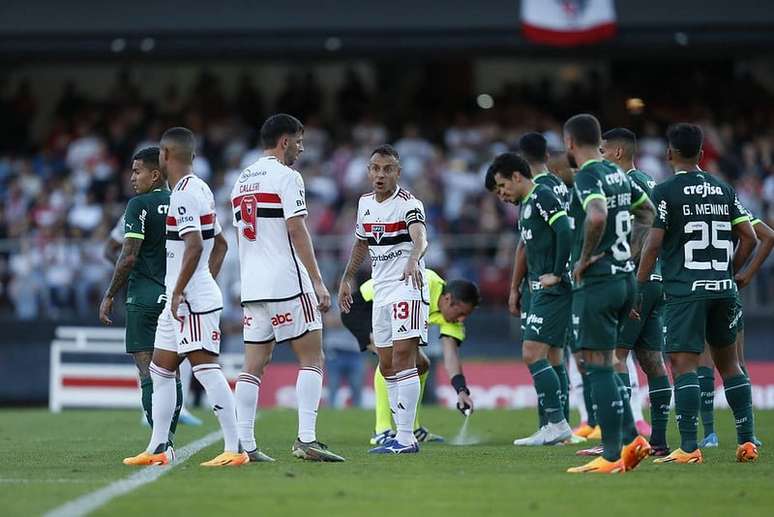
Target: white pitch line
(87, 503)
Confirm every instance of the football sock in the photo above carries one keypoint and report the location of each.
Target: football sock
(186, 374)
(163, 406)
(176, 412)
(548, 391)
(382, 403)
(308, 392)
(707, 387)
(219, 394)
(687, 400)
(246, 400)
(607, 399)
(146, 388)
(628, 429)
(564, 390)
(407, 383)
(422, 382)
(660, 393)
(588, 401)
(739, 397)
(635, 393)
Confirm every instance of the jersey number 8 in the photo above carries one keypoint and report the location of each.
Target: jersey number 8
(248, 209)
(623, 226)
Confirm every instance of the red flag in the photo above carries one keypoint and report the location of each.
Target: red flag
(568, 23)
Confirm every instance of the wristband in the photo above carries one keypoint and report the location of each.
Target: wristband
(458, 382)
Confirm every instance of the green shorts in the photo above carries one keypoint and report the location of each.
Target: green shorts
(739, 314)
(547, 318)
(572, 332)
(526, 299)
(646, 333)
(689, 323)
(140, 328)
(601, 306)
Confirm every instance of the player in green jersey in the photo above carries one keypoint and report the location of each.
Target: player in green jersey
(706, 371)
(603, 285)
(545, 232)
(644, 335)
(692, 234)
(142, 265)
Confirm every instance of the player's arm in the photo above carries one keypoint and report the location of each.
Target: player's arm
(356, 257)
(747, 240)
(558, 222)
(124, 266)
(519, 272)
(593, 229)
(302, 243)
(650, 252)
(194, 246)
(453, 365)
(644, 213)
(765, 237)
(219, 249)
(418, 234)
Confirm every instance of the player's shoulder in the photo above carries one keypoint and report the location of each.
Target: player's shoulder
(404, 194)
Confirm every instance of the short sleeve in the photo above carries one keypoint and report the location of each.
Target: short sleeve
(662, 209)
(639, 196)
(453, 330)
(117, 233)
(549, 207)
(186, 211)
(415, 212)
(293, 196)
(134, 219)
(359, 230)
(739, 213)
(588, 188)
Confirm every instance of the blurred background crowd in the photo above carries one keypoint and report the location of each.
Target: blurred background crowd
(63, 187)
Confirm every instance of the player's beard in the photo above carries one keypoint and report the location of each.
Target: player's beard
(571, 160)
(289, 158)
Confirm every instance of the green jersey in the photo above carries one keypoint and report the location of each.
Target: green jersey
(557, 186)
(545, 231)
(697, 212)
(600, 179)
(646, 183)
(145, 219)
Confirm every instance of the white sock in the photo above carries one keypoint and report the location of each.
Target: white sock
(576, 390)
(246, 397)
(635, 399)
(185, 379)
(219, 394)
(407, 382)
(163, 401)
(308, 392)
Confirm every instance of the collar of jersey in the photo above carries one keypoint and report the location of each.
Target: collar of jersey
(184, 177)
(588, 162)
(631, 170)
(534, 186)
(544, 173)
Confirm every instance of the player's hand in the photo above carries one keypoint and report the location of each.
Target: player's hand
(105, 308)
(174, 306)
(323, 296)
(742, 280)
(345, 296)
(412, 274)
(581, 267)
(464, 402)
(639, 297)
(549, 280)
(514, 303)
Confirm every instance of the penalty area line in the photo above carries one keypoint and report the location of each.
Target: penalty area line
(91, 501)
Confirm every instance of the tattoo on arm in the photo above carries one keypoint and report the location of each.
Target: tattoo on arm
(124, 265)
(358, 255)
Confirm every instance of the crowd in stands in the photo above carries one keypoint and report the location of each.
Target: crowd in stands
(62, 191)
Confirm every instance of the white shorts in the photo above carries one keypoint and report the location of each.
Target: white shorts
(264, 322)
(399, 320)
(200, 331)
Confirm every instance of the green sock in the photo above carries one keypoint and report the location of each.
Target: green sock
(607, 397)
(547, 387)
(146, 387)
(687, 400)
(422, 381)
(564, 389)
(628, 429)
(588, 401)
(660, 393)
(707, 387)
(739, 397)
(382, 400)
(176, 414)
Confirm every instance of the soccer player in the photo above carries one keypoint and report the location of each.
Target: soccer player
(706, 370)
(697, 216)
(547, 237)
(189, 324)
(603, 203)
(644, 335)
(282, 290)
(450, 304)
(391, 229)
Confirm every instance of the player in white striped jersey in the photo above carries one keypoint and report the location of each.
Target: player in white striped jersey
(189, 325)
(391, 228)
(282, 290)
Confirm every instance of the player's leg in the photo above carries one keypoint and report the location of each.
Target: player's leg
(635, 398)
(660, 394)
(406, 379)
(421, 433)
(385, 390)
(556, 359)
(588, 427)
(622, 379)
(706, 373)
(185, 374)
(142, 361)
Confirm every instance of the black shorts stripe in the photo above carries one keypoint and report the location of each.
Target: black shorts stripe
(390, 241)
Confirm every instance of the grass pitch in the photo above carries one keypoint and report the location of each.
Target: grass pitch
(51, 459)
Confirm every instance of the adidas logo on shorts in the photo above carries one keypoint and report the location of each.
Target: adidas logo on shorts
(402, 328)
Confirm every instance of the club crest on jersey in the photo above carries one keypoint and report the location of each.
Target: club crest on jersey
(527, 211)
(377, 230)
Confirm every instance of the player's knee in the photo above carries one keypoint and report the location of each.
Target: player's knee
(622, 354)
(423, 364)
(556, 356)
(532, 351)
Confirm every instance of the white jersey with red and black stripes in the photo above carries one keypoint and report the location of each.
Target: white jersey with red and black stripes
(192, 208)
(265, 195)
(385, 226)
